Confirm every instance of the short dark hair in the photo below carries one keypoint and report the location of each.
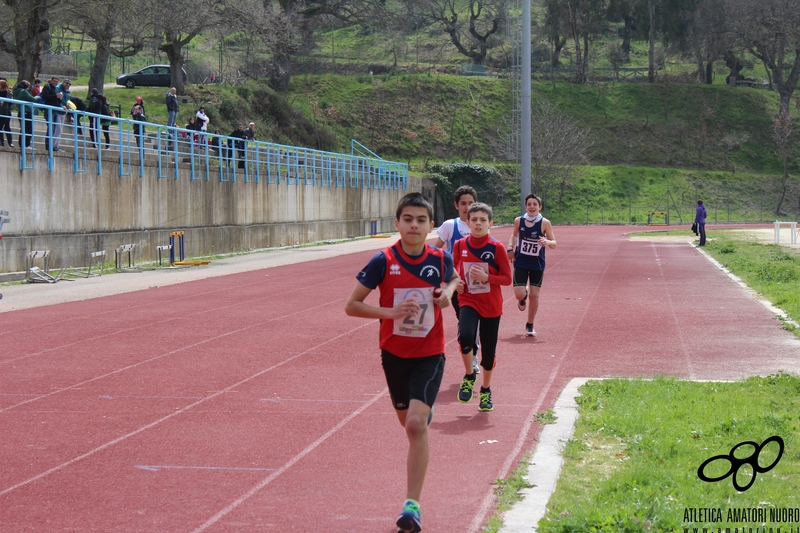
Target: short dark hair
(478, 206)
(531, 195)
(413, 199)
(699, 202)
(461, 191)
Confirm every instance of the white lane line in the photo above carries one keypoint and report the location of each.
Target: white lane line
(269, 479)
(156, 468)
(176, 413)
(172, 352)
(545, 465)
(488, 500)
(686, 353)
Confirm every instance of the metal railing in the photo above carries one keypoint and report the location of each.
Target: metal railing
(130, 145)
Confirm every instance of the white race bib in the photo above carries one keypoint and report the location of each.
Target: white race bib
(530, 247)
(422, 324)
(473, 285)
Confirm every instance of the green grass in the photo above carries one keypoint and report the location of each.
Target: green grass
(770, 269)
(632, 463)
(620, 194)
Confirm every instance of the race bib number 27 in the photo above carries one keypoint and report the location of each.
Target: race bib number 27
(422, 324)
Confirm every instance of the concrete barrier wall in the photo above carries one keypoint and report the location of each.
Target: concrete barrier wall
(73, 214)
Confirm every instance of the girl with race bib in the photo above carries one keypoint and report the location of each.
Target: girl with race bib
(532, 235)
(415, 281)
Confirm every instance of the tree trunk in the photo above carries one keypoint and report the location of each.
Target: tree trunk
(627, 33)
(29, 23)
(574, 15)
(281, 73)
(175, 56)
(710, 72)
(98, 74)
(558, 46)
(651, 71)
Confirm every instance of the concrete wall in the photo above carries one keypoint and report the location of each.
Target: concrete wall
(73, 214)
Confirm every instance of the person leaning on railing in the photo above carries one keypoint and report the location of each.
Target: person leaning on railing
(25, 113)
(96, 107)
(5, 114)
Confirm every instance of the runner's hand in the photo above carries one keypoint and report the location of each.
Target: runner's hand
(406, 308)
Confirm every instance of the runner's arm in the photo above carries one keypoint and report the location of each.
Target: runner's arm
(356, 306)
(550, 240)
(512, 243)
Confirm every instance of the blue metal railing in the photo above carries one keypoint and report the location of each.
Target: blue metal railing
(206, 155)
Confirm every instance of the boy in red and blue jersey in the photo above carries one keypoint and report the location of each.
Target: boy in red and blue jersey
(415, 282)
(483, 267)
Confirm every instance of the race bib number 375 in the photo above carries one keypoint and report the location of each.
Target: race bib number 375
(530, 247)
(422, 324)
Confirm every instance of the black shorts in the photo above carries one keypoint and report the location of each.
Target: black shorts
(522, 275)
(412, 379)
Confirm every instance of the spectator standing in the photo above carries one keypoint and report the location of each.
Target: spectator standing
(137, 114)
(105, 123)
(219, 145)
(700, 220)
(35, 91)
(238, 133)
(25, 113)
(202, 122)
(172, 108)
(64, 89)
(250, 132)
(5, 114)
(96, 107)
(52, 96)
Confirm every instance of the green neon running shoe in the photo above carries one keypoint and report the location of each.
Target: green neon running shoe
(409, 520)
(467, 386)
(485, 396)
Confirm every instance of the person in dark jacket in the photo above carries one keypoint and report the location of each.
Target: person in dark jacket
(25, 113)
(80, 105)
(96, 107)
(220, 147)
(105, 123)
(172, 108)
(700, 220)
(238, 133)
(137, 114)
(53, 97)
(5, 114)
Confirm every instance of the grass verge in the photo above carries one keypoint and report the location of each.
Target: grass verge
(632, 465)
(770, 269)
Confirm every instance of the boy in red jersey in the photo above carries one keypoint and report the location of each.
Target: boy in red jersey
(483, 267)
(416, 281)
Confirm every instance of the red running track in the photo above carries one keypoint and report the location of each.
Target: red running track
(251, 402)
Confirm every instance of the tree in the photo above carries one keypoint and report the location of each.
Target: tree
(558, 150)
(770, 30)
(98, 19)
(583, 19)
(623, 10)
(783, 136)
(476, 35)
(177, 22)
(24, 38)
(707, 37)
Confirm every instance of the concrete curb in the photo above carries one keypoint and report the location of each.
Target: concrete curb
(545, 465)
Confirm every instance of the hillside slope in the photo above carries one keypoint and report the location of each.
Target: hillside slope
(453, 118)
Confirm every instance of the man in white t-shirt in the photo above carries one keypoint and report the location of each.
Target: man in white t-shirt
(454, 229)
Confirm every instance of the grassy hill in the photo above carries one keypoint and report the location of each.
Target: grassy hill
(656, 146)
